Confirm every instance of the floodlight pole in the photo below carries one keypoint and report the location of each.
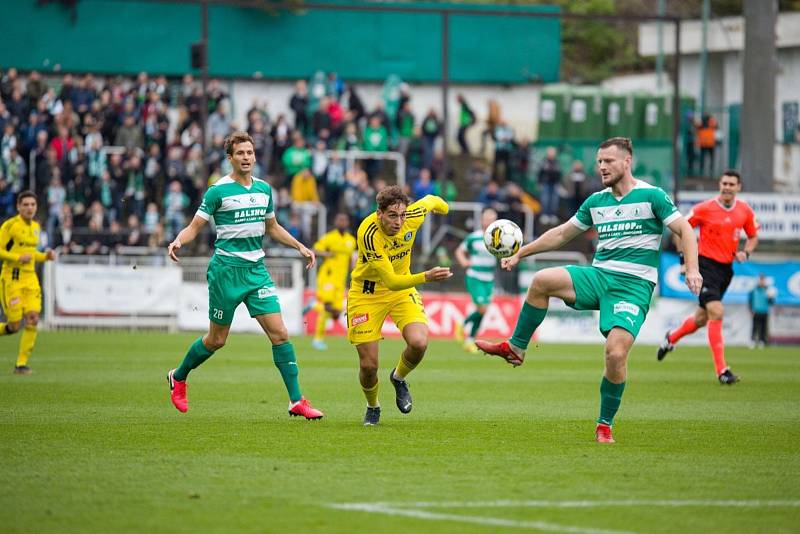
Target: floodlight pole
(204, 74)
(676, 113)
(445, 91)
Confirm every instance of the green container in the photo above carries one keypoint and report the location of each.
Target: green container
(585, 121)
(656, 117)
(553, 107)
(621, 114)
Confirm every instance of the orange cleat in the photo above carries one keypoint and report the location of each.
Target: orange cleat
(177, 392)
(602, 434)
(502, 349)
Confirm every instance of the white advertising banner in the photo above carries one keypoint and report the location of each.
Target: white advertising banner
(193, 310)
(116, 289)
(778, 215)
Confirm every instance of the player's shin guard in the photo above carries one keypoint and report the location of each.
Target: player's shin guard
(717, 344)
(197, 354)
(372, 395)
(403, 368)
(26, 342)
(688, 326)
(610, 398)
(475, 321)
(285, 361)
(529, 320)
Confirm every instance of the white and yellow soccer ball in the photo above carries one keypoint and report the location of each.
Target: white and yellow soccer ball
(503, 238)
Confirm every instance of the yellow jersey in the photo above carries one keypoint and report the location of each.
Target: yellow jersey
(341, 247)
(18, 237)
(384, 262)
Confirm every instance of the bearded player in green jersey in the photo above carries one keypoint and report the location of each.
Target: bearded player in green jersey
(629, 216)
(243, 211)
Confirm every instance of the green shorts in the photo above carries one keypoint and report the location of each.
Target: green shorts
(480, 291)
(230, 284)
(623, 300)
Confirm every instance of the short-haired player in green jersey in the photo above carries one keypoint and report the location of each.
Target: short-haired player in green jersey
(480, 264)
(629, 216)
(243, 210)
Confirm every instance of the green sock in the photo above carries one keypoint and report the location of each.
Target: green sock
(610, 397)
(198, 353)
(529, 320)
(469, 321)
(477, 317)
(283, 356)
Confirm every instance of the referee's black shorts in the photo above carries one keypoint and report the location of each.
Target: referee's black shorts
(716, 279)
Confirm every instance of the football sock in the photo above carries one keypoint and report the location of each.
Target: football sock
(688, 326)
(529, 320)
(717, 344)
(610, 397)
(26, 342)
(469, 322)
(322, 319)
(197, 354)
(477, 317)
(403, 368)
(372, 395)
(283, 356)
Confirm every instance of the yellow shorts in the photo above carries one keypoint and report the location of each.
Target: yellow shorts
(329, 292)
(366, 313)
(20, 297)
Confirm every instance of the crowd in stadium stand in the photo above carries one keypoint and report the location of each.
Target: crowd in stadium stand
(120, 161)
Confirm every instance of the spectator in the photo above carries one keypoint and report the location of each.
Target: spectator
(466, 118)
(157, 238)
(319, 161)
(63, 143)
(350, 139)
(576, 186)
(297, 157)
(405, 127)
(175, 204)
(320, 119)
(422, 185)
(135, 188)
(293, 226)
(334, 183)
(56, 200)
(217, 124)
(491, 197)
(107, 195)
(304, 187)
(759, 301)
(130, 134)
(707, 141)
(355, 104)
(151, 218)
(430, 131)
(549, 179)
(15, 170)
(359, 195)
(376, 139)
(64, 237)
(7, 201)
(281, 139)
(299, 104)
(503, 145)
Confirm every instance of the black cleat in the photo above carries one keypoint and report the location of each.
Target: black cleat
(728, 378)
(22, 370)
(665, 347)
(373, 416)
(402, 395)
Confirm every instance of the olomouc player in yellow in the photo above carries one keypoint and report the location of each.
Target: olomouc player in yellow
(382, 284)
(337, 247)
(21, 293)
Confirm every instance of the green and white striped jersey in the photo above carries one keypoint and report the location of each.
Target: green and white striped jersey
(482, 261)
(629, 229)
(239, 215)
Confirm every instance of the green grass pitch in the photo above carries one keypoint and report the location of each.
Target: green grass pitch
(91, 443)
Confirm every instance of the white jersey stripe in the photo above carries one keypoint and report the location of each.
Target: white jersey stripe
(635, 269)
(229, 231)
(250, 255)
(247, 200)
(624, 212)
(647, 241)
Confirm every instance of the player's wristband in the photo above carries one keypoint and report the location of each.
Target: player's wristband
(680, 257)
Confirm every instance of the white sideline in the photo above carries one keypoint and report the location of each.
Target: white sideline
(493, 521)
(417, 510)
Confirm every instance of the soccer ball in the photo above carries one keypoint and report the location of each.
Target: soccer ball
(503, 238)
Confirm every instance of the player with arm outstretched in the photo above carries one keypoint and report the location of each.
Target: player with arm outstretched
(382, 285)
(21, 293)
(242, 207)
(629, 216)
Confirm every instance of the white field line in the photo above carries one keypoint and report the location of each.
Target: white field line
(476, 520)
(592, 504)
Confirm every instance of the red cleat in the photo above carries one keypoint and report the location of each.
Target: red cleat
(602, 434)
(177, 392)
(502, 349)
(304, 408)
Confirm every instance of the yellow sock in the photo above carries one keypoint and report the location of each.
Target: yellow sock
(322, 319)
(26, 342)
(372, 395)
(403, 368)
(3, 331)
